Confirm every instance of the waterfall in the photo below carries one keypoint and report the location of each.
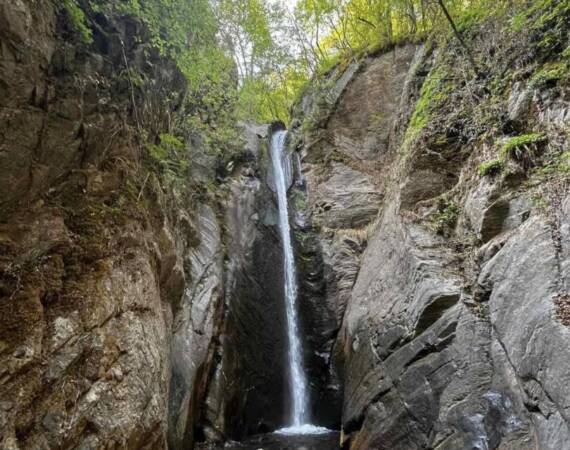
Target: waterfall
(297, 376)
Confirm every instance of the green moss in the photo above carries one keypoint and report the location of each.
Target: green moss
(516, 146)
(550, 73)
(501, 82)
(434, 92)
(78, 19)
(550, 18)
(540, 13)
(490, 168)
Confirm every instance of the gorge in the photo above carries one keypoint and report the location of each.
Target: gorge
(390, 272)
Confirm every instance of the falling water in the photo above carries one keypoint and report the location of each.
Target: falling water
(297, 376)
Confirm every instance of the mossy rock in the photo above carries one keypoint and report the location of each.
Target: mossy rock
(550, 74)
(547, 19)
(521, 147)
(490, 168)
(434, 92)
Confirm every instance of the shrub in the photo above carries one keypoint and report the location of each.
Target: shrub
(170, 156)
(446, 216)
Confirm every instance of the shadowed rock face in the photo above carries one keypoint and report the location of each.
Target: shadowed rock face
(254, 347)
(130, 318)
(112, 291)
(249, 393)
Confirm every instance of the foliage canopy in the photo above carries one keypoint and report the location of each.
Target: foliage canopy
(261, 53)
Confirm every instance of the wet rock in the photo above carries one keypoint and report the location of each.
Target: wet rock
(253, 350)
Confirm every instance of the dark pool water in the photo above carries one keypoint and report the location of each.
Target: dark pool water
(328, 441)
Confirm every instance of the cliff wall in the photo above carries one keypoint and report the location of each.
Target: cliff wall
(440, 198)
(112, 277)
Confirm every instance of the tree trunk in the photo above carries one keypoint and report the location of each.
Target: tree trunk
(459, 38)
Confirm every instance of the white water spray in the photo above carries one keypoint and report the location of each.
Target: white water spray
(297, 377)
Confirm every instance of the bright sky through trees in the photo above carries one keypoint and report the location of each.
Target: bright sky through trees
(303, 38)
(268, 49)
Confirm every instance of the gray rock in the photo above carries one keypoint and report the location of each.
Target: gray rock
(347, 199)
(194, 328)
(520, 101)
(445, 343)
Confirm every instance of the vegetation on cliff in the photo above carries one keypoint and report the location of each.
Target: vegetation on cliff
(249, 60)
(120, 133)
(261, 53)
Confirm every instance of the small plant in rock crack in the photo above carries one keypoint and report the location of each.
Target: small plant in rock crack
(523, 149)
(446, 217)
(490, 168)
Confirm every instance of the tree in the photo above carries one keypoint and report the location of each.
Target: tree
(459, 37)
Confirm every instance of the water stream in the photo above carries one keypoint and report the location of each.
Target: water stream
(300, 415)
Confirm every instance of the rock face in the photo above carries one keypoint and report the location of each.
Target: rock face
(249, 393)
(112, 287)
(84, 289)
(132, 317)
(250, 382)
(450, 284)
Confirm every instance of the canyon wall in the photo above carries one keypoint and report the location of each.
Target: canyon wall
(441, 203)
(112, 278)
(137, 311)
